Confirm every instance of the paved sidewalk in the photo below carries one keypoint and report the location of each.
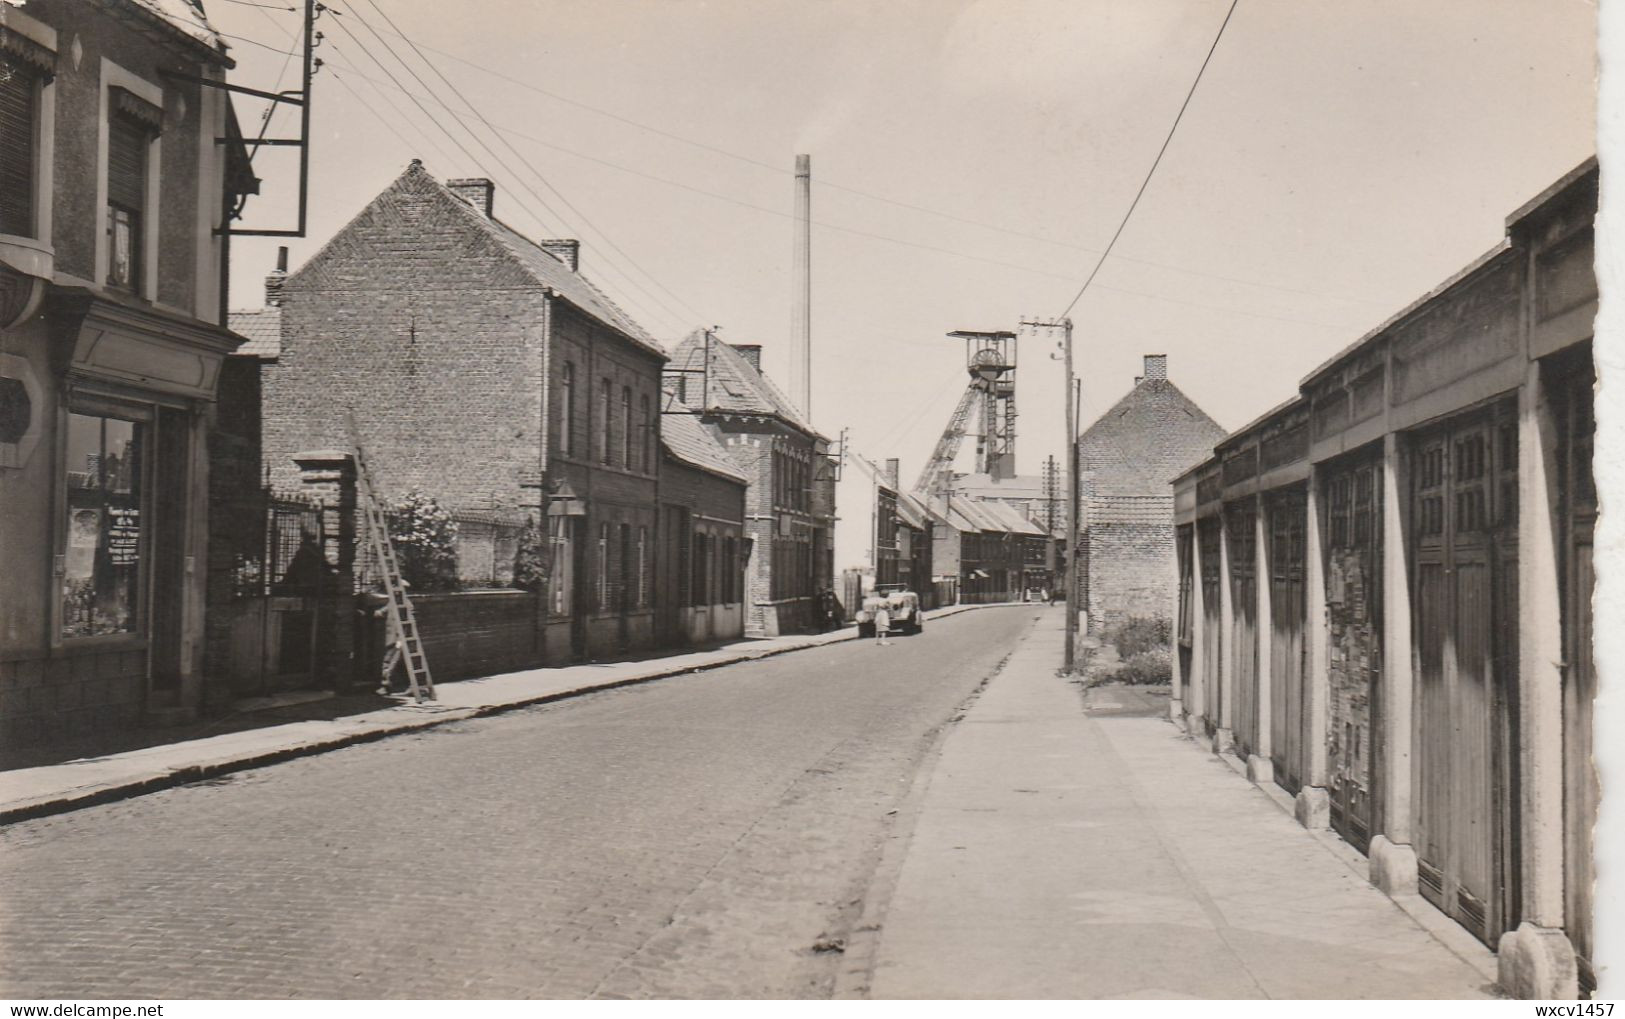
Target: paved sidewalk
(1059, 855)
(35, 792)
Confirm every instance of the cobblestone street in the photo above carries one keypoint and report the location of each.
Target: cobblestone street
(691, 837)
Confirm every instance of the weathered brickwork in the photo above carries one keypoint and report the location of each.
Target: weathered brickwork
(1128, 458)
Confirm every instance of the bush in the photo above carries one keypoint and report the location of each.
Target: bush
(425, 540)
(1148, 668)
(1139, 634)
(530, 560)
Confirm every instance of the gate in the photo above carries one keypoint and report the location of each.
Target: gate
(1465, 607)
(278, 580)
(1287, 521)
(1207, 536)
(1578, 495)
(1353, 496)
(1241, 525)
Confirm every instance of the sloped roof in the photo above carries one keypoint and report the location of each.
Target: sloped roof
(685, 438)
(1007, 515)
(912, 511)
(1149, 436)
(733, 384)
(262, 328)
(186, 18)
(978, 516)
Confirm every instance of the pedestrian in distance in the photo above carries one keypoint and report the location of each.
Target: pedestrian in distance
(882, 626)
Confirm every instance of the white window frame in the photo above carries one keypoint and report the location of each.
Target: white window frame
(115, 76)
(603, 567)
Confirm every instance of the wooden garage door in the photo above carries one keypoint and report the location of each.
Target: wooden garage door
(1207, 536)
(1578, 494)
(1353, 497)
(1287, 521)
(1465, 605)
(1241, 530)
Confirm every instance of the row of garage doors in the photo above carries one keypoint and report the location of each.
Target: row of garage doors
(1461, 505)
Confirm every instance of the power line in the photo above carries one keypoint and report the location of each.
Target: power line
(453, 138)
(1154, 163)
(528, 165)
(674, 318)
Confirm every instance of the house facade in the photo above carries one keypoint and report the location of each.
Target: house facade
(1384, 596)
(790, 514)
(113, 190)
(703, 547)
(1125, 558)
(868, 540)
(484, 370)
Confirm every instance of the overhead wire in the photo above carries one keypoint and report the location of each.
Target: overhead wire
(674, 321)
(1154, 163)
(530, 166)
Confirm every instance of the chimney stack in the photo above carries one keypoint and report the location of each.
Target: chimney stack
(568, 252)
(801, 291)
(751, 352)
(476, 191)
(1156, 368)
(894, 467)
(275, 279)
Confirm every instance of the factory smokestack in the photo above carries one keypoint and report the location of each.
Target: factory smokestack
(801, 284)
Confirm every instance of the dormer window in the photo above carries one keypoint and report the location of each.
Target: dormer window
(132, 125)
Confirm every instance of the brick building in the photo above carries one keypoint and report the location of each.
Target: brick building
(485, 370)
(1127, 457)
(113, 186)
(703, 549)
(867, 539)
(790, 512)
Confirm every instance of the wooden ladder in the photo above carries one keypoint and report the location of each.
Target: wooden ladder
(404, 643)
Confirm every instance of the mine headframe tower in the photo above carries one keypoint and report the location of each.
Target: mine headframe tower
(989, 399)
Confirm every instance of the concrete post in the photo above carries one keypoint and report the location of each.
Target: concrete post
(1537, 959)
(1261, 763)
(1224, 734)
(1196, 698)
(1313, 806)
(330, 476)
(1393, 858)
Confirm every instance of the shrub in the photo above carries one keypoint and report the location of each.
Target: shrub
(1139, 634)
(425, 540)
(530, 560)
(1148, 668)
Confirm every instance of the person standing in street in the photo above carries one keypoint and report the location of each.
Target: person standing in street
(882, 625)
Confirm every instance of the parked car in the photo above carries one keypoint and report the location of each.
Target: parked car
(902, 608)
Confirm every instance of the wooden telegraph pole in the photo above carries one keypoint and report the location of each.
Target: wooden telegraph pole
(1069, 658)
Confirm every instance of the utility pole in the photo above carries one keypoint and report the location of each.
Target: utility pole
(1069, 658)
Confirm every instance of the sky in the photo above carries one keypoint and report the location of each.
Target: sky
(970, 160)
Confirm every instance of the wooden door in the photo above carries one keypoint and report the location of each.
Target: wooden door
(1207, 536)
(1185, 624)
(1287, 522)
(1578, 503)
(1353, 578)
(1241, 526)
(1465, 628)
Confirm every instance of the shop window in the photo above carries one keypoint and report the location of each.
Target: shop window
(101, 569)
(19, 134)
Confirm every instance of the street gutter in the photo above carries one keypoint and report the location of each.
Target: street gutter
(27, 793)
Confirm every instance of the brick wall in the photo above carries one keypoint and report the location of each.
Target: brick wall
(75, 695)
(1130, 570)
(475, 633)
(429, 330)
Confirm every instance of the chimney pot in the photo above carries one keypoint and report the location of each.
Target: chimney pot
(1156, 367)
(751, 352)
(275, 278)
(566, 251)
(476, 191)
(893, 469)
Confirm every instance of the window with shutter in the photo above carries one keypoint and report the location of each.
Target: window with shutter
(18, 114)
(127, 145)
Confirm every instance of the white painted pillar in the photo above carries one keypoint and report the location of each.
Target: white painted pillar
(1176, 693)
(1313, 806)
(1196, 695)
(1224, 734)
(1537, 960)
(1260, 765)
(1393, 859)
